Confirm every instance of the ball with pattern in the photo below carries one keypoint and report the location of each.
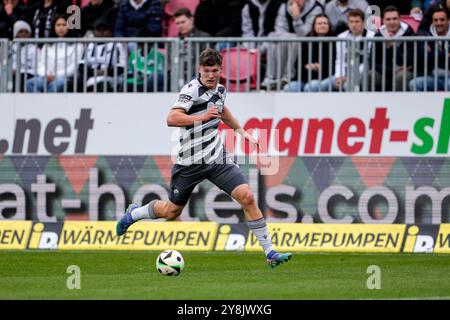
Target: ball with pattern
(170, 263)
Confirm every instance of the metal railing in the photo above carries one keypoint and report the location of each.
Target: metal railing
(250, 64)
(407, 64)
(3, 65)
(93, 65)
(273, 57)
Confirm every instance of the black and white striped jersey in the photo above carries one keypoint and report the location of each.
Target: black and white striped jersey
(201, 142)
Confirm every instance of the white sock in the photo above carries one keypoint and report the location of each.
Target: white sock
(259, 229)
(144, 212)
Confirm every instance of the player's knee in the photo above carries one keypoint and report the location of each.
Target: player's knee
(247, 198)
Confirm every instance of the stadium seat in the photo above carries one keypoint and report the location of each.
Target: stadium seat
(413, 23)
(174, 5)
(172, 29)
(247, 68)
(82, 3)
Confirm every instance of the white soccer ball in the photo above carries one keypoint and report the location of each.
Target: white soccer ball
(170, 263)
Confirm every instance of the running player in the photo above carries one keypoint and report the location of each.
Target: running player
(198, 111)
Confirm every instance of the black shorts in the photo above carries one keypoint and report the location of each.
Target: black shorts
(185, 178)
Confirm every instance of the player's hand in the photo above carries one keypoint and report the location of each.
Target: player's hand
(212, 113)
(251, 139)
(9, 8)
(340, 82)
(295, 9)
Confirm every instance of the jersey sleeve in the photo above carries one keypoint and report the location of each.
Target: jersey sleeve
(186, 98)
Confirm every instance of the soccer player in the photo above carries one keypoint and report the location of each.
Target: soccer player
(198, 112)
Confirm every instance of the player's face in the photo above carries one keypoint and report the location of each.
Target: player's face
(210, 75)
(184, 24)
(356, 25)
(392, 21)
(23, 34)
(441, 23)
(322, 27)
(61, 28)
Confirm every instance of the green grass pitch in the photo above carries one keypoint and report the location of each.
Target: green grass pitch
(222, 275)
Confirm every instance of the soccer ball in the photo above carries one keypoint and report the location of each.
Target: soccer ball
(170, 263)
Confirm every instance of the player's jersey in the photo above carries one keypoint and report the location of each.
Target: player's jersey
(200, 143)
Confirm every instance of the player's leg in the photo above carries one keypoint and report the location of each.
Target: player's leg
(257, 224)
(155, 209)
(230, 179)
(183, 182)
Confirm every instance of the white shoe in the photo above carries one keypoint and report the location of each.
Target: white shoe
(269, 83)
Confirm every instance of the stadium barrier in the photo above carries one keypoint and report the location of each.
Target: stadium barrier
(3, 65)
(212, 236)
(166, 64)
(335, 158)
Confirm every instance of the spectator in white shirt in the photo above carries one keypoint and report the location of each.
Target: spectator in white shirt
(57, 61)
(23, 56)
(339, 81)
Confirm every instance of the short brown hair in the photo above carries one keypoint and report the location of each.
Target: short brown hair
(356, 13)
(441, 10)
(210, 57)
(183, 12)
(390, 9)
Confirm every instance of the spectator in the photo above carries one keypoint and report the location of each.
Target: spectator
(317, 59)
(135, 15)
(403, 6)
(186, 28)
(10, 12)
(43, 13)
(337, 11)
(56, 61)
(392, 28)
(294, 19)
(428, 15)
(144, 64)
(339, 81)
(23, 56)
(219, 18)
(258, 17)
(440, 27)
(418, 7)
(184, 20)
(102, 61)
(95, 10)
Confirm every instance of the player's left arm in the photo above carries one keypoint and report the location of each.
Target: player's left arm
(233, 123)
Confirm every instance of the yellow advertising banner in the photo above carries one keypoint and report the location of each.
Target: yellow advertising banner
(145, 235)
(332, 237)
(442, 244)
(14, 234)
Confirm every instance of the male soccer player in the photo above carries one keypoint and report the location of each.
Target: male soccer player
(198, 111)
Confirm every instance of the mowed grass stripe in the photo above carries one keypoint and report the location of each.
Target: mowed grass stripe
(221, 275)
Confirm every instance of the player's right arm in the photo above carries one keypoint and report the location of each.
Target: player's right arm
(178, 118)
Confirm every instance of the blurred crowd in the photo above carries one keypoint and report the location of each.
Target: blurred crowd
(345, 19)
